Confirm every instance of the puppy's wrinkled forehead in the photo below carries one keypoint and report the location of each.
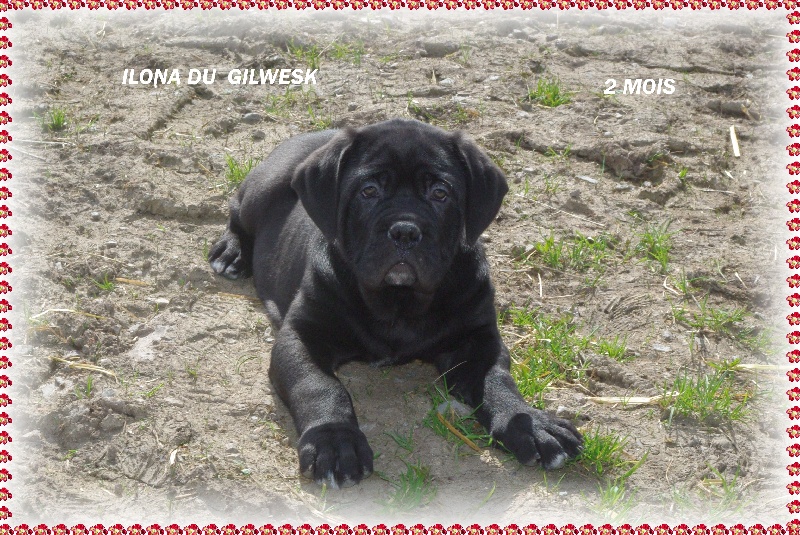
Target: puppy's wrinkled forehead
(405, 147)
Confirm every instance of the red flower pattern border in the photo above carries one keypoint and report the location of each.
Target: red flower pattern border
(791, 528)
(793, 355)
(5, 267)
(6, 5)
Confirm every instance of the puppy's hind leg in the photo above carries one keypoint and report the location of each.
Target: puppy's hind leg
(232, 255)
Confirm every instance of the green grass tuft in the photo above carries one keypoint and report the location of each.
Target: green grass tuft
(350, 52)
(708, 318)
(405, 442)
(467, 425)
(412, 489)
(107, 285)
(311, 55)
(655, 244)
(319, 122)
(710, 399)
(54, 120)
(580, 253)
(548, 350)
(86, 390)
(615, 348)
(237, 171)
(281, 104)
(550, 93)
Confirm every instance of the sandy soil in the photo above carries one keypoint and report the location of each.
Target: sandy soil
(176, 421)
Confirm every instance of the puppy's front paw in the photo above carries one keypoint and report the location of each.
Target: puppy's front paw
(226, 257)
(335, 454)
(537, 436)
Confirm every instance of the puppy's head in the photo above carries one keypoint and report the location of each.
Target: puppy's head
(399, 199)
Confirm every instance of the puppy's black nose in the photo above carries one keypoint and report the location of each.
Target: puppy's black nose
(405, 234)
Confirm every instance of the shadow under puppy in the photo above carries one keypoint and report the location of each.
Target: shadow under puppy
(363, 244)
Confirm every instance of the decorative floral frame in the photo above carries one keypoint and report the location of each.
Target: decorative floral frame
(8, 7)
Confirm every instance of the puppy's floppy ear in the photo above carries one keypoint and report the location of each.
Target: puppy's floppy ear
(316, 182)
(486, 187)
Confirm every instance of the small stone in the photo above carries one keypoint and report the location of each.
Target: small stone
(230, 447)
(134, 409)
(252, 118)
(647, 184)
(47, 390)
(493, 78)
(537, 67)
(110, 244)
(622, 187)
(438, 49)
(203, 92)
(95, 216)
(575, 194)
(447, 82)
(240, 409)
(666, 335)
(352, 106)
(721, 443)
(459, 408)
(563, 412)
(661, 348)
(112, 455)
(258, 135)
(588, 179)
(112, 422)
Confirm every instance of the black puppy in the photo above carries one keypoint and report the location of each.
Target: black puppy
(364, 246)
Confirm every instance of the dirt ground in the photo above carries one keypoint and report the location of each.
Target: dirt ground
(140, 391)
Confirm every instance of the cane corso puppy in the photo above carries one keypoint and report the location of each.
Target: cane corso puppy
(363, 244)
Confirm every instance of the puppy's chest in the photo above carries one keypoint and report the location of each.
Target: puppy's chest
(399, 342)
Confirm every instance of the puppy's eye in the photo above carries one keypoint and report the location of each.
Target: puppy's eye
(439, 193)
(369, 192)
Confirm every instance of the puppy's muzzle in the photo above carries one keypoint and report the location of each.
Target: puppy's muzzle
(405, 234)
